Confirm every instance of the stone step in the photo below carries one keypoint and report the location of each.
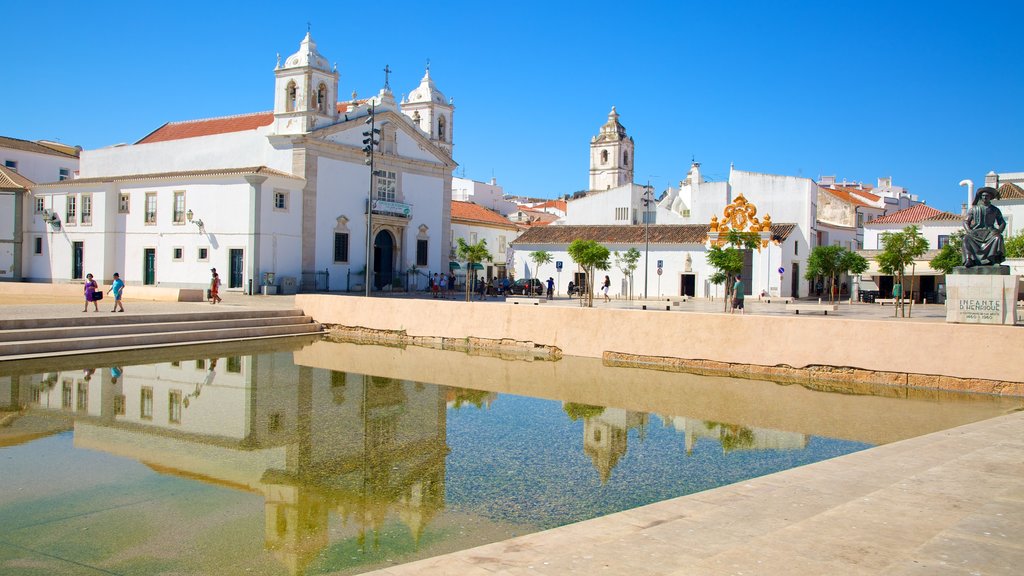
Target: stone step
(80, 344)
(110, 318)
(71, 332)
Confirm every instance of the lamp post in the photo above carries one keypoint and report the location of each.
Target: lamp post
(369, 141)
(646, 199)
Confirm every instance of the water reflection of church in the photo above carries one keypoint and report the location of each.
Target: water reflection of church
(312, 442)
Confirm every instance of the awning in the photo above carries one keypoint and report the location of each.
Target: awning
(453, 266)
(478, 266)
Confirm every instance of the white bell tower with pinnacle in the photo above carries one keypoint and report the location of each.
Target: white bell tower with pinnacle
(305, 91)
(431, 112)
(611, 156)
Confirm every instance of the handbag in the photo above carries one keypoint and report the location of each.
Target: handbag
(209, 294)
(97, 296)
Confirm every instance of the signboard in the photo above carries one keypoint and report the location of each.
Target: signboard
(392, 207)
(659, 271)
(781, 269)
(558, 265)
(661, 264)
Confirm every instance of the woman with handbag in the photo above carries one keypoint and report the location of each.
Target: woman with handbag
(91, 290)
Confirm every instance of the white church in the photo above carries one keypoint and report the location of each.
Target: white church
(282, 193)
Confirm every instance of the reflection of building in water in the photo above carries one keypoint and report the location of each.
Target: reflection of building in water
(734, 436)
(605, 436)
(369, 449)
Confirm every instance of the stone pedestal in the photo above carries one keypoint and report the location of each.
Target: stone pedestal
(981, 298)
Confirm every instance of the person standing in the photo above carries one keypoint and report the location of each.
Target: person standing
(444, 286)
(90, 294)
(117, 288)
(737, 295)
(604, 288)
(214, 287)
(551, 288)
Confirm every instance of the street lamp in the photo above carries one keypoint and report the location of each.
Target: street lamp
(646, 200)
(369, 141)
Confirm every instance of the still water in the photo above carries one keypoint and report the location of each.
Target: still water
(337, 458)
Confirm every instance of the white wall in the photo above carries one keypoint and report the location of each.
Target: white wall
(930, 230)
(39, 168)
(598, 207)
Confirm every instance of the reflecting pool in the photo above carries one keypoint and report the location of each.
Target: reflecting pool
(319, 457)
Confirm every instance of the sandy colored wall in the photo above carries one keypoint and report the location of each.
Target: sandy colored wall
(75, 290)
(958, 350)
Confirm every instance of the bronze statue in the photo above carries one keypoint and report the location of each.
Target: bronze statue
(983, 231)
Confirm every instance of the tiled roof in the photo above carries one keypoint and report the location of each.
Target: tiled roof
(914, 214)
(263, 170)
(211, 126)
(634, 234)
(845, 195)
(1011, 191)
(470, 212)
(860, 192)
(556, 204)
(11, 180)
(29, 146)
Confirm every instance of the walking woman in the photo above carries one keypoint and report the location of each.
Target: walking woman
(90, 294)
(214, 287)
(604, 288)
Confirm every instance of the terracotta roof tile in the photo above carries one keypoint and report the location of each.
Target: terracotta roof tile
(11, 180)
(1011, 191)
(470, 212)
(29, 146)
(208, 127)
(844, 194)
(914, 214)
(860, 192)
(170, 175)
(633, 234)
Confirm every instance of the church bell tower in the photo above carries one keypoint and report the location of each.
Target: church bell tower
(305, 91)
(611, 156)
(431, 112)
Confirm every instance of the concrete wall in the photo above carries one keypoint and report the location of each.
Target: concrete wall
(911, 347)
(75, 289)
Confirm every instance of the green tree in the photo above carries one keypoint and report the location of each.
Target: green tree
(728, 260)
(832, 262)
(899, 250)
(950, 255)
(575, 411)
(590, 256)
(1015, 245)
(627, 263)
(471, 254)
(540, 257)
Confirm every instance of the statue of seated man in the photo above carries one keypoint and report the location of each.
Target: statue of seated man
(983, 231)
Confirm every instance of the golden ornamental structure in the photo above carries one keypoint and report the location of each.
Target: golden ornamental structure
(741, 216)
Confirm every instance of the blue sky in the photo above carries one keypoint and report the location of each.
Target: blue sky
(927, 92)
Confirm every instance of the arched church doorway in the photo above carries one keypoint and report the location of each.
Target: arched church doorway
(383, 259)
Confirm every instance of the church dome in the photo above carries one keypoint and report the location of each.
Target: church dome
(307, 56)
(426, 91)
(612, 129)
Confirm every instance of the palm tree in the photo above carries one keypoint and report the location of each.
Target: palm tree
(472, 253)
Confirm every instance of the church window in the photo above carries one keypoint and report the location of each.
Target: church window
(179, 207)
(150, 216)
(86, 208)
(290, 97)
(341, 246)
(421, 252)
(321, 98)
(72, 209)
(604, 156)
(622, 213)
(441, 122)
(281, 200)
(625, 158)
(122, 203)
(386, 185)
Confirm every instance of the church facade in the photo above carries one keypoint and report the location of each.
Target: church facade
(282, 197)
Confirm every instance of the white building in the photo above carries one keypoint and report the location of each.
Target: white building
(22, 164)
(490, 195)
(473, 223)
(281, 192)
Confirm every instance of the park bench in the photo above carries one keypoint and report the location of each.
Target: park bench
(666, 304)
(810, 307)
(524, 300)
(884, 301)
